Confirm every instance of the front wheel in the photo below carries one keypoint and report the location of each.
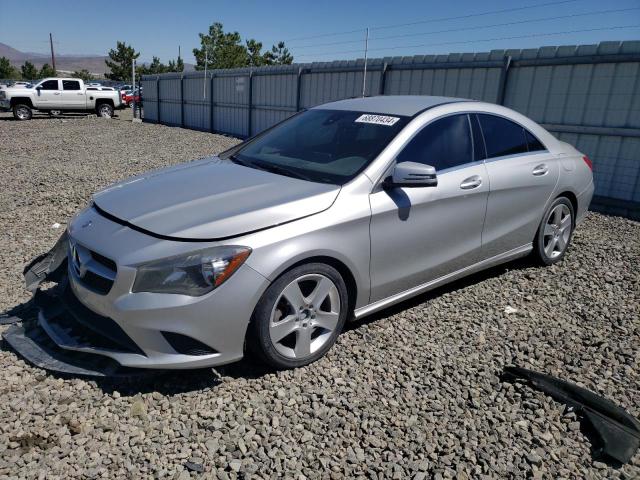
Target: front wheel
(299, 317)
(105, 110)
(554, 232)
(22, 112)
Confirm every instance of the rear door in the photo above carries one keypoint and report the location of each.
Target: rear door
(421, 234)
(523, 175)
(48, 94)
(73, 96)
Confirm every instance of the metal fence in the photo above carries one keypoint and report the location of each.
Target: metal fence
(587, 95)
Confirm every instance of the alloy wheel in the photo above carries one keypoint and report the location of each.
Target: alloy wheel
(304, 316)
(105, 111)
(557, 231)
(22, 113)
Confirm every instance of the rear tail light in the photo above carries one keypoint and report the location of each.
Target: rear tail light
(588, 161)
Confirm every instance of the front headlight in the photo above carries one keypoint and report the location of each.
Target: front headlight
(193, 274)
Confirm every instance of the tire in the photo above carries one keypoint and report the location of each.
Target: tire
(289, 328)
(22, 112)
(104, 110)
(555, 231)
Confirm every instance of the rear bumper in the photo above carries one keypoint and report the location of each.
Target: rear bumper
(584, 200)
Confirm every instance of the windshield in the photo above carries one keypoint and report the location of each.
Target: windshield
(328, 146)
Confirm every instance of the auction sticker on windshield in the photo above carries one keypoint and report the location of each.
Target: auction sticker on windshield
(377, 119)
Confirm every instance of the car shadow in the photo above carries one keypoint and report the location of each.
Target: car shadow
(518, 264)
(171, 382)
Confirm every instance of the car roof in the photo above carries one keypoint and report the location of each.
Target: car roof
(407, 105)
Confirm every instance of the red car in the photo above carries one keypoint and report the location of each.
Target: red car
(128, 97)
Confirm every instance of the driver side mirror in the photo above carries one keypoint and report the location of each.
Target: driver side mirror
(38, 88)
(411, 175)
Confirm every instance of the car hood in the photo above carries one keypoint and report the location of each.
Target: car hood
(212, 199)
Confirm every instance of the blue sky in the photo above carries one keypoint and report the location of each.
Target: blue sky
(85, 27)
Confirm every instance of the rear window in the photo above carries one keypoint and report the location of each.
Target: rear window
(70, 85)
(532, 142)
(502, 137)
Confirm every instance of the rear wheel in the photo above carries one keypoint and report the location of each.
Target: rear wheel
(104, 110)
(22, 112)
(299, 317)
(554, 233)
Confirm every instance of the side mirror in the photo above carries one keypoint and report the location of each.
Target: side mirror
(411, 175)
(38, 88)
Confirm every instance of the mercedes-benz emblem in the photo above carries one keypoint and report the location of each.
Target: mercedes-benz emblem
(76, 262)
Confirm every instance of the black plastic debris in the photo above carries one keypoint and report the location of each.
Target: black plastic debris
(616, 432)
(9, 320)
(194, 467)
(49, 266)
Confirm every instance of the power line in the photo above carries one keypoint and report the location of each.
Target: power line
(441, 19)
(461, 29)
(616, 27)
(471, 15)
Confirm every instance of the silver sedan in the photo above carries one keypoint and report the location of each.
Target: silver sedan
(335, 213)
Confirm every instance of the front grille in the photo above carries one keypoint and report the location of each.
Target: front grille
(90, 328)
(186, 345)
(91, 269)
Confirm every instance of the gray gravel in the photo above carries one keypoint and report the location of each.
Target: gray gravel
(411, 393)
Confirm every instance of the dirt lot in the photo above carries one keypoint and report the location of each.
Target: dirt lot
(411, 393)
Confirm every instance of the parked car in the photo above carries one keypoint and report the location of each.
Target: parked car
(56, 95)
(21, 85)
(129, 97)
(339, 211)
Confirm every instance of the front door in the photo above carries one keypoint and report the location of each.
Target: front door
(48, 94)
(421, 234)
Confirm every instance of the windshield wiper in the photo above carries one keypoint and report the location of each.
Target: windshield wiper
(270, 167)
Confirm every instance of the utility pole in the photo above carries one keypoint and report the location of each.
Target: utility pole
(366, 50)
(133, 85)
(53, 57)
(204, 81)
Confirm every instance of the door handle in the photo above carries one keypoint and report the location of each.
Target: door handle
(472, 182)
(56, 93)
(540, 170)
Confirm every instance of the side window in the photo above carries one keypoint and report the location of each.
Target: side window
(532, 142)
(70, 85)
(49, 85)
(502, 136)
(444, 143)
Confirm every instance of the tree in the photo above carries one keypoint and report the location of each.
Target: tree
(176, 66)
(222, 50)
(29, 71)
(120, 61)
(254, 53)
(83, 74)
(279, 55)
(225, 50)
(7, 70)
(47, 71)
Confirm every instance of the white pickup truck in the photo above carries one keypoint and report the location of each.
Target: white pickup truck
(57, 95)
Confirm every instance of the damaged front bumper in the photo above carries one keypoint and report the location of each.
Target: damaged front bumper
(43, 342)
(91, 316)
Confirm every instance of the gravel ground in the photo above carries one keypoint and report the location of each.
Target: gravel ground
(411, 393)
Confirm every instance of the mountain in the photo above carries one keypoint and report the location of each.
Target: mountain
(64, 63)
(94, 63)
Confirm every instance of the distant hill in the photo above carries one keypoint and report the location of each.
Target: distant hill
(94, 63)
(64, 63)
